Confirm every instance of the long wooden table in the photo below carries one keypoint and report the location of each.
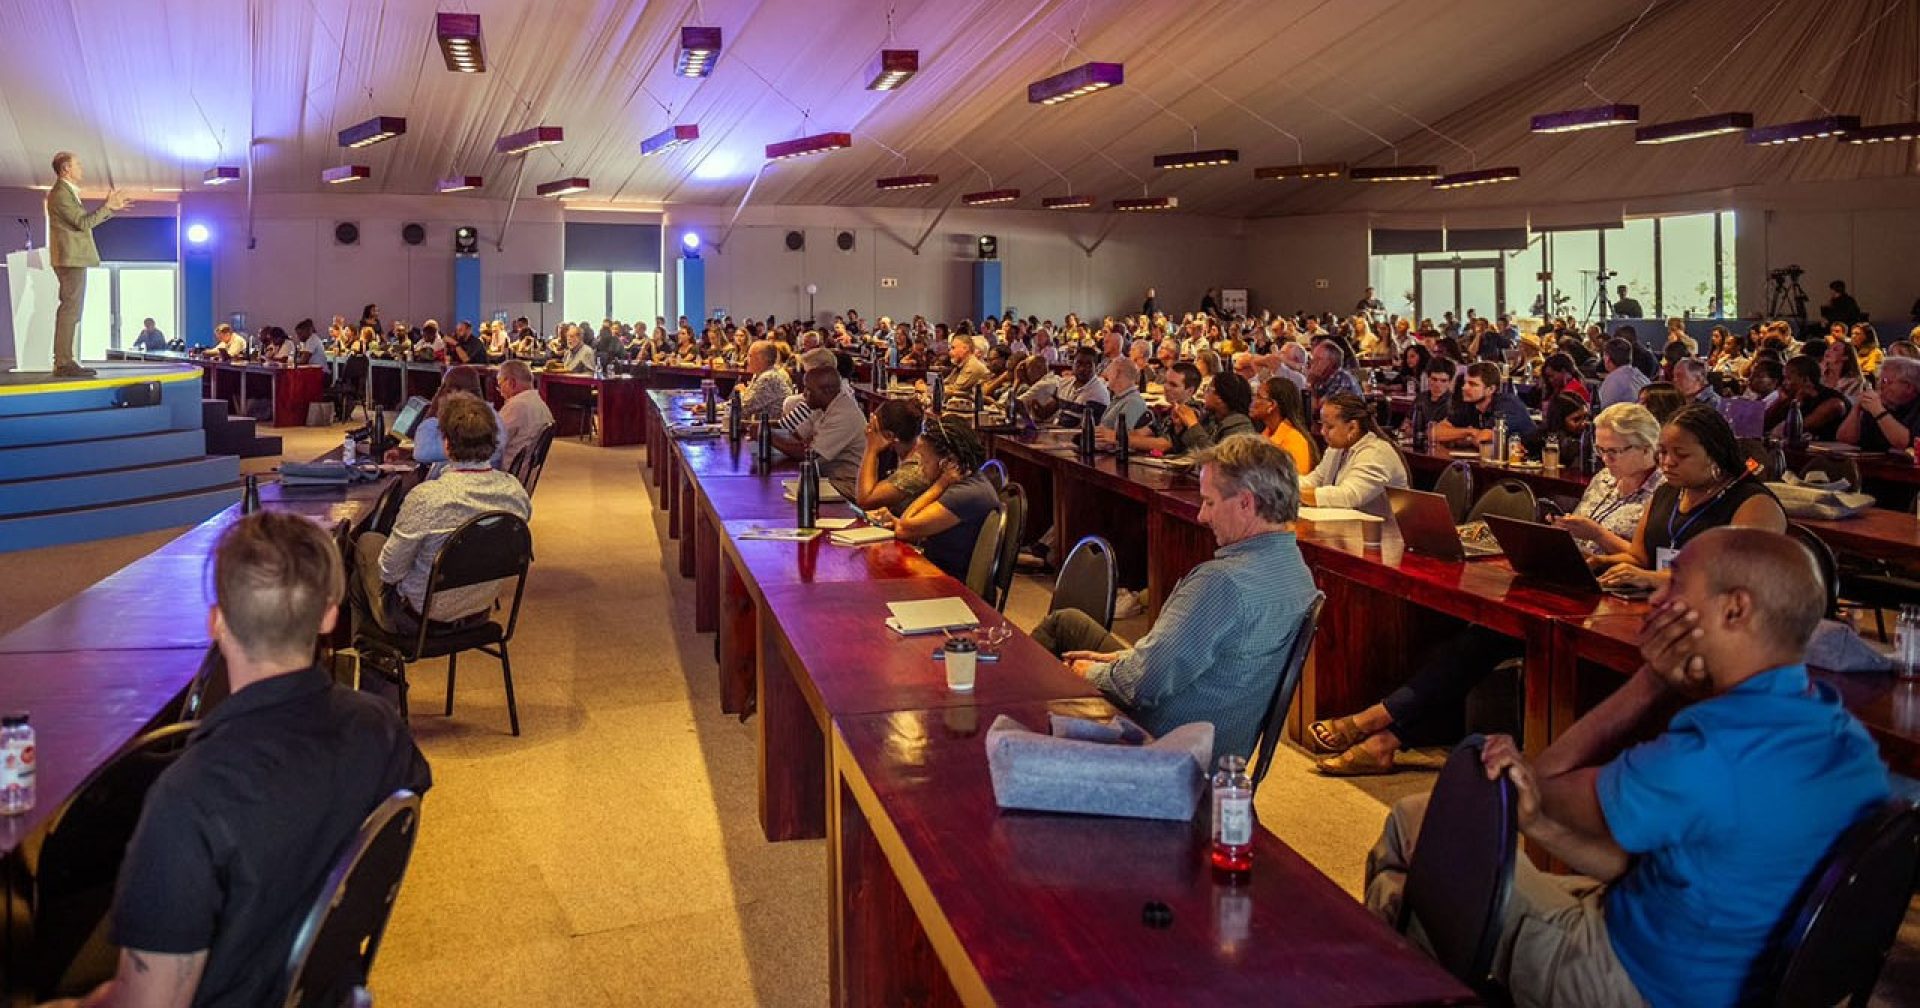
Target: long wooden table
(861, 741)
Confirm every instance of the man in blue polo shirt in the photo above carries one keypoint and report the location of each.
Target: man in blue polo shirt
(1696, 843)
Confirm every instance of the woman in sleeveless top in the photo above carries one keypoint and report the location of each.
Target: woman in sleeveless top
(1707, 486)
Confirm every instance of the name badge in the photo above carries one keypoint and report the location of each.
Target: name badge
(1663, 557)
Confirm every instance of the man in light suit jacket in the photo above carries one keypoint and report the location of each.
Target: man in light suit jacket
(70, 242)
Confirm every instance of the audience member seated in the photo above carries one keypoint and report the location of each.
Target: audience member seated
(467, 347)
(1360, 462)
(1228, 402)
(578, 356)
(894, 426)
(945, 519)
(392, 570)
(833, 428)
(768, 388)
(229, 342)
(1565, 417)
(1623, 380)
(1705, 485)
(308, 347)
(1281, 412)
(1482, 403)
(237, 836)
(1327, 374)
(429, 447)
(1695, 843)
(967, 370)
(150, 338)
(1558, 373)
(1126, 407)
(1887, 416)
(1436, 401)
(1627, 438)
(1822, 409)
(1691, 380)
(1217, 649)
(1661, 399)
(1062, 397)
(523, 414)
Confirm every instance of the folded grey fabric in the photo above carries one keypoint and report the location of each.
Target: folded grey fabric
(1099, 768)
(1836, 647)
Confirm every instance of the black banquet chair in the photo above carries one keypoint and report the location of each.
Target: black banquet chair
(1508, 498)
(350, 388)
(1456, 485)
(1461, 875)
(1275, 724)
(1088, 581)
(333, 951)
(532, 460)
(495, 546)
(1013, 503)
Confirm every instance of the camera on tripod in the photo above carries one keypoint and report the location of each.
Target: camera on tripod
(1607, 274)
(1787, 299)
(1786, 272)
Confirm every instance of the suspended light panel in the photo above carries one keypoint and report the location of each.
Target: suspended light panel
(1822, 128)
(699, 47)
(221, 175)
(906, 181)
(988, 197)
(457, 183)
(819, 143)
(1082, 80)
(345, 173)
(1595, 117)
(1140, 203)
(1067, 202)
(529, 139)
(373, 131)
(459, 38)
(893, 69)
(1197, 159)
(1477, 177)
(1698, 128)
(1304, 172)
(669, 138)
(1395, 173)
(562, 187)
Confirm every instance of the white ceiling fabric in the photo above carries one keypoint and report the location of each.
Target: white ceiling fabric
(151, 95)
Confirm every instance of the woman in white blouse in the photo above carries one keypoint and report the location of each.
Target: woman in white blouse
(1624, 435)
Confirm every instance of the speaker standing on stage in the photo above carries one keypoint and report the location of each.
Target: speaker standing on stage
(70, 241)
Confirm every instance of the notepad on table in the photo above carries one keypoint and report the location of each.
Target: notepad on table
(833, 524)
(828, 492)
(926, 616)
(1320, 514)
(781, 534)
(862, 536)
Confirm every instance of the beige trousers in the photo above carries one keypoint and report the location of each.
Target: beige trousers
(66, 319)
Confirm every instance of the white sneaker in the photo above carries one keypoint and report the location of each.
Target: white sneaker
(1127, 605)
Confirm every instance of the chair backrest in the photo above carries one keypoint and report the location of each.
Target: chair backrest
(208, 688)
(333, 950)
(386, 507)
(986, 553)
(1088, 581)
(996, 471)
(1508, 498)
(353, 373)
(1833, 943)
(532, 460)
(1772, 461)
(1456, 485)
(1013, 503)
(1462, 869)
(1275, 724)
(85, 843)
(1828, 563)
(493, 546)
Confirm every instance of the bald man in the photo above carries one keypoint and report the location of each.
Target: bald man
(1697, 842)
(769, 386)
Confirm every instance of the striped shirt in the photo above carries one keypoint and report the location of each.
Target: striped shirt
(1215, 654)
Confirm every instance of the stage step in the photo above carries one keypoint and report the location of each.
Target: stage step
(54, 528)
(83, 425)
(234, 435)
(67, 458)
(57, 493)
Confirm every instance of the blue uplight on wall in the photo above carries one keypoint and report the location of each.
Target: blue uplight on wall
(198, 234)
(690, 244)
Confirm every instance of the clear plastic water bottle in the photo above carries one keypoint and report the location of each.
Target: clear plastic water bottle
(17, 764)
(347, 448)
(1906, 648)
(1232, 820)
(1550, 455)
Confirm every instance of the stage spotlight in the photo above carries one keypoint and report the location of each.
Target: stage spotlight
(197, 234)
(690, 244)
(466, 241)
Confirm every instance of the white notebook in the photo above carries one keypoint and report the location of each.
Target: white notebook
(828, 492)
(861, 536)
(931, 616)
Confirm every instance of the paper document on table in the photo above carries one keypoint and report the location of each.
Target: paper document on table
(931, 616)
(862, 536)
(828, 492)
(781, 534)
(1323, 514)
(833, 524)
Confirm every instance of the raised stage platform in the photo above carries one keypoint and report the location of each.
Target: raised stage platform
(122, 452)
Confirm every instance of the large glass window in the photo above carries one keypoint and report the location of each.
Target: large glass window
(1575, 259)
(1728, 309)
(1522, 267)
(1479, 289)
(144, 292)
(1687, 270)
(1630, 258)
(583, 295)
(1392, 280)
(634, 297)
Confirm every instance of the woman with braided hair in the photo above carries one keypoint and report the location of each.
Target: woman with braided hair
(946, 518)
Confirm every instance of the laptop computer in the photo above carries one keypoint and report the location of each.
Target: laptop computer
(408, 419)
(1545, 553)
(1426, 525)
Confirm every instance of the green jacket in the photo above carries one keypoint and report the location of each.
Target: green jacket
(70, 228)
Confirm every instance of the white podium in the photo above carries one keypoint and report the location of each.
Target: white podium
(34, 290)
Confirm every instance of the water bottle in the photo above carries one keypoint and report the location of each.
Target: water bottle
(939, 388)
(712, 393)
(1906, 652)
(734, 409)
(1087, 424)
(251, 501)
(979, 403)
(1232, 820)
(1550, 455)
(17, 764)
(1500, 439)
(807, 496)
(1589, 461)
(1793, 428)
(347, 449)
(1120, 445)
(765, 444)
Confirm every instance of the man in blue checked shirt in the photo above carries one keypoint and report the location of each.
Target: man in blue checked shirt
(1215, 654)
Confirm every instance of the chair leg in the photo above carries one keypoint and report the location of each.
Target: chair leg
(1880, 621)
(452, 659)
(506, 676)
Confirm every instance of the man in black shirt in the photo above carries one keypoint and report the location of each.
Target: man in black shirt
(237, 837)
(1627, 307)
(468, 347)
(1840, 306)
(1150, 305)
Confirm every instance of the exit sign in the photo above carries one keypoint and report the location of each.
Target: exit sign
(1321, 285)
(889, 281)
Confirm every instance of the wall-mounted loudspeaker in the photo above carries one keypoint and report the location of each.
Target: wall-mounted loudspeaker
(466, 241)
(845, 240)
(346, 233)
(989, 247)
(543, 288)
(796, 241)
(413, 234)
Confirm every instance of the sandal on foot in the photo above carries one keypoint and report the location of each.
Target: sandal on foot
(1335, 735)
(1358, 761)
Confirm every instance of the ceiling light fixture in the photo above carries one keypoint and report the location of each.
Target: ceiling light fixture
(1067, 85)
(1147, 203)
(1595, 117)
(1806, 129)
(221, 175)
(669, 138)
(529, 139)
(906, 182)
(457, 183)
(459, 37)
(893, 68)
(699, 47)
(1478, 176)
(1067, 202)
(1395, 173)
(374, 130)
(1884, 133)
(1697, 128)
(561, 187)
(988, 197)
(1197, 159)
(1320, 170)
(819, 143)
(345, 173)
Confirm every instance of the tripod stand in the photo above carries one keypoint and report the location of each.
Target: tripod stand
(1599, 309)
(1787, 300)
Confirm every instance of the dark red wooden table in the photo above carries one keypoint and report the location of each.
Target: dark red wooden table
(940, 898)
(618, 418)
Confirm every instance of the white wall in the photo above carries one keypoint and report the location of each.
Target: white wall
(1289, 256)
(1867, 234)
(1047, 270)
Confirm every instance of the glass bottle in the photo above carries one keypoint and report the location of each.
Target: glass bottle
(1906, 651)
(1232, 820)
(17, 765)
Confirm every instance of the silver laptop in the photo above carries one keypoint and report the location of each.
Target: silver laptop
(1426, 525)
